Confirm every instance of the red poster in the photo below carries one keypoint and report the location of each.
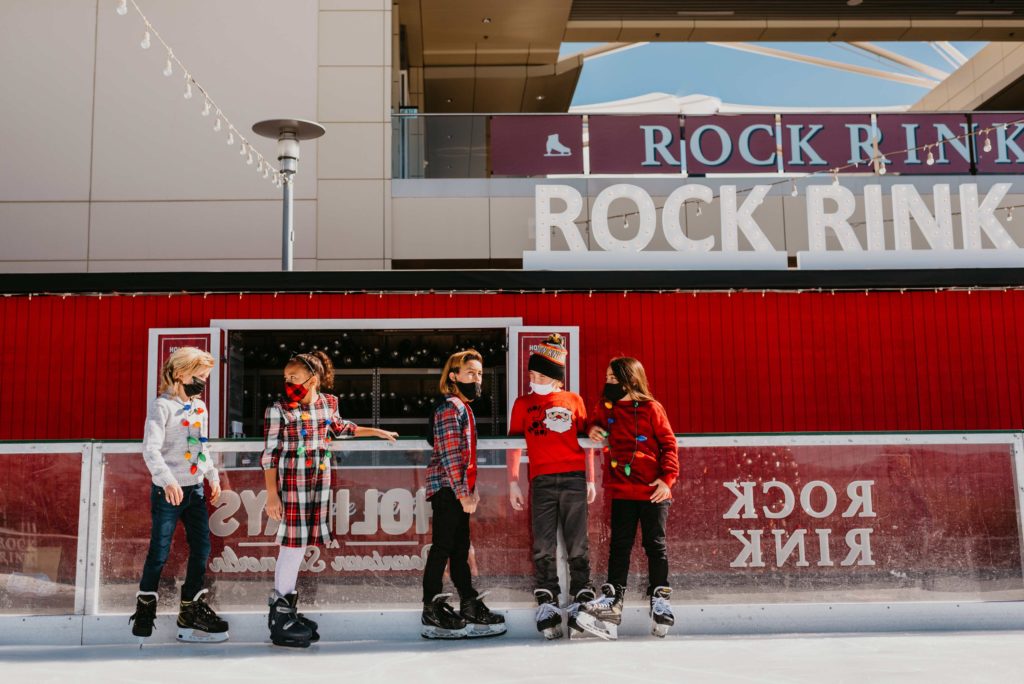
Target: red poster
(743, 143)
(635, 144)
(536, 145)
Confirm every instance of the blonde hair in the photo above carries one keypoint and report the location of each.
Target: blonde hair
(454, 364)
(183, 361)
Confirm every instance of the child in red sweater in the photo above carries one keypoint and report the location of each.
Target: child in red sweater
(641, 466)
(561, 482)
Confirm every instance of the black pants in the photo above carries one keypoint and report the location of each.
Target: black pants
(560, 500)
(449, 544)
(193, 515)
(652, 518)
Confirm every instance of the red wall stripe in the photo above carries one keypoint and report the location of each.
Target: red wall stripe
(779, 362)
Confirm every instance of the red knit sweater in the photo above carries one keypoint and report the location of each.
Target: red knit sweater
(552, 424)
(641, 427)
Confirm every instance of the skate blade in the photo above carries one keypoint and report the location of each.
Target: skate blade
(431, 632)
(291, 643)
(482, 631)
(552, 633)
(198, 636)
(599, 628)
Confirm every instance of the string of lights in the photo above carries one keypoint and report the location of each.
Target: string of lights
(252, 157)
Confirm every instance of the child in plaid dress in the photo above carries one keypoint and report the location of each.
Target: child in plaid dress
(296, 465)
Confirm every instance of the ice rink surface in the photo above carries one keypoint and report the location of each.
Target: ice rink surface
(862, 658)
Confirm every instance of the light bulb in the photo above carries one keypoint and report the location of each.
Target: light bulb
(206, 108)
(217, 126)
(266, 170)
(930, 161)
(625, 221)
(231, 137)
(835, 178)
(243, 148)
(122, 7)
(881, 168)
(794, 192)
(188, 90)
(1009, 214)
(698, 210)
(145, 41)
(249, 160)
(169, 67)
(987, 146)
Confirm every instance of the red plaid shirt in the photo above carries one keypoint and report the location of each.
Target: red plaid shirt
(453, 463)
(286, 429)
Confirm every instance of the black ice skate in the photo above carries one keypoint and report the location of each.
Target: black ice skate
(602, 616)
(549, 617)
(480, 621)
(583, 597)
(440, 621)
(293, 601)
(285, 627)
(661, 612)
(144, 616)
(198, 623)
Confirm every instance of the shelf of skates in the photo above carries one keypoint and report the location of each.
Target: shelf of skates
(783, 532)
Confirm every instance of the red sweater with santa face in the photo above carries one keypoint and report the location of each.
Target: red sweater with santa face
(638, 434)
(551, 424)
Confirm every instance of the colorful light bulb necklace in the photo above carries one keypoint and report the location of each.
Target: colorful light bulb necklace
(194, 436)
(627, 468)
(303, 433)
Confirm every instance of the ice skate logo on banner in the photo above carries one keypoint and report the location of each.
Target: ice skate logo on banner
(558, 419)
(555, 148)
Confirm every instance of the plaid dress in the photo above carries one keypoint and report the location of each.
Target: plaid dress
(297, 441)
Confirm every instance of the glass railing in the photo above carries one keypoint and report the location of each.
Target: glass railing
(756, 519)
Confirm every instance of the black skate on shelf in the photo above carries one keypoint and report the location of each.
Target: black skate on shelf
(548, 616)
(602, 616)
(197, 623)
(144, 616)
(440, 621)
(285, 627)
(293, 601)
(661, 612)
(582, 598)
(480, 621)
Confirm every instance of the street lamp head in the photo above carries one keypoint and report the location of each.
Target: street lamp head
(288, 133)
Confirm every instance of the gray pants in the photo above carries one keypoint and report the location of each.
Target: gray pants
(560, 500)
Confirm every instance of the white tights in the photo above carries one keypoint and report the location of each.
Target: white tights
(287, 570)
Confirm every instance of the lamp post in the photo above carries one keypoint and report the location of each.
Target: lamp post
(288, 133)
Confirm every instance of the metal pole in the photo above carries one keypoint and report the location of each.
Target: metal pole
(288, 219)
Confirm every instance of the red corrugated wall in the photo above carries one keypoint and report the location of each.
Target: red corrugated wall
(75, 368)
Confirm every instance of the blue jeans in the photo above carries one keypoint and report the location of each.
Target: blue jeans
(194, 516)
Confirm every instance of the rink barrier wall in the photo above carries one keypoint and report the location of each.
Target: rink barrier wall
(90, 623)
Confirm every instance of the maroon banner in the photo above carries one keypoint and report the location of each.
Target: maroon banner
(1000, 142)
(743, 143)
(818, 142)
(922, 143)
(39, 506)
(635, 144)
(536, 145)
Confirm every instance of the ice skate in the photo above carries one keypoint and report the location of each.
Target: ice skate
(480, 621)
(549, 617)
(440, 621)
(555, 148)
(293, 601)
(144, 616)
(661, 612)
(198, 623)
(601, 617)
(583, 597)
(285, 627)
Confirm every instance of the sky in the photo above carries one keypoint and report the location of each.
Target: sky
(743, 78)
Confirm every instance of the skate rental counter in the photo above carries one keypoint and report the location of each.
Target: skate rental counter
(837, 532)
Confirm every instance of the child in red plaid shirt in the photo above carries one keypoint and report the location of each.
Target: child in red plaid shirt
(451, 490)
(296, 464)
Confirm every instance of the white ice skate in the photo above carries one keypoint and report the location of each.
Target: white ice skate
(555, 148)
(601, 616)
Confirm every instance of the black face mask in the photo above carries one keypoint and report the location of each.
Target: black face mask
(614, 391)
(470, 390)
(194, 388)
